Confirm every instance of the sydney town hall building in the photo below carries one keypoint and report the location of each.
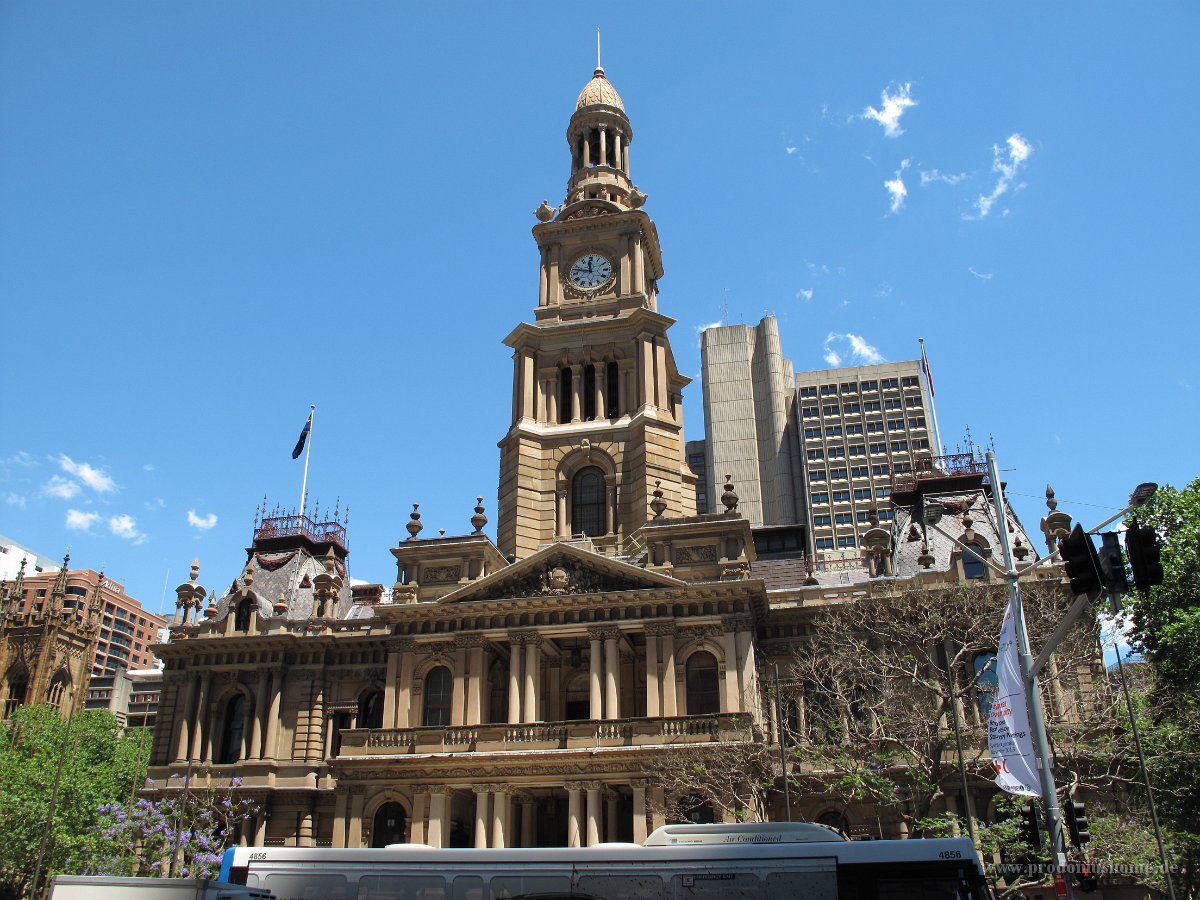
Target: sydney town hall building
(516, 693)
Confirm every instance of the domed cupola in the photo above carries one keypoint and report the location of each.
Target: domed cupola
(599, 136)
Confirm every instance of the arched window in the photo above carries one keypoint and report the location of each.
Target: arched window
(58, 689)
(589, 392)
(233, 730)
(388, 827)
(611, 395)
(587, 502)
(439, 691)
(241, 618)
(986, 683)
(18, 687)
(370, 710)
(972, 561)
(834, 819)
(697, 811)
(564, 395)
(703, 692)
(579, 698)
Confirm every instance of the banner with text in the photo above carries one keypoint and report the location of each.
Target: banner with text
(1010, 741)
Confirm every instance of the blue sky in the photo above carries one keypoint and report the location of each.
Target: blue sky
(213, 214)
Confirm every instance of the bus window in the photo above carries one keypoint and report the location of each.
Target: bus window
(931, 888)
(402, 887)
(469, 887)
(626, 886)
(505, 887)
(307, 886)
(810, 885)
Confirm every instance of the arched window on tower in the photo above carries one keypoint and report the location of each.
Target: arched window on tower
(17, 687)
(232, 730)
(439, 688)
(611, 396)
(589, 392)
(59, 687)
(370, 710)
(703, 691)
(564, 395)
(587, 502)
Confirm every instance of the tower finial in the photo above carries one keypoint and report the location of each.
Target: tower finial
(599, 68)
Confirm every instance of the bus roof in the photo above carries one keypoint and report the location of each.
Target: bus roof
(742, 833)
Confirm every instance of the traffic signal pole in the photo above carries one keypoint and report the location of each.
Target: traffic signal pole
(1037, 717)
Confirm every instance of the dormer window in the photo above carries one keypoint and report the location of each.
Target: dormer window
(241, 616)
(974, 568)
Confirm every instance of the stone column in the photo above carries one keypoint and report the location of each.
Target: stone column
(748, 674)
(514, 679)
(183, 718)
(616, 158)
(610, 504)
(408, 658)
(653, 685)
(639, 266)
(596, 703)
(576, 393)
(670, 706)
(555, 286)
(646, 352)
(419, 804)
(316, 722)
(587, 151)
(733, 691)
(543, 282)
(639, 811)
(604, 146)
(304, 836)
(475, 681)
(533, 671)
(500, 807)
(199, 730)
(260, 715)
(610, 818)
(612, 671)
(482, 798)
(527, 383)
(249, 725)
(389, 684)
(357, 801)
(340, 817)
(573, 824)
(593, 812)
(260, 829)
(438, 797)
(601, 369)
(564, 529)
(657, 819)
(272, 748)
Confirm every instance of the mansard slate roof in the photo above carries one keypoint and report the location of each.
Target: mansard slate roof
(288, 574)
(966, 515)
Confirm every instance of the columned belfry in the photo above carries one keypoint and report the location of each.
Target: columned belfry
(597, 423)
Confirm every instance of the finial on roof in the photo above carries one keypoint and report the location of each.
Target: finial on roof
(729, 498)
(599, 68)
(479, 519)
(658, 504)
(1051, 503)
(195, 570)
(414, 525)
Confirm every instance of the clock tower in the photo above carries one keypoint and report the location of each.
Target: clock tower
(597, 424)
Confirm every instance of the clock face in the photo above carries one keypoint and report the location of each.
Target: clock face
(590, 271)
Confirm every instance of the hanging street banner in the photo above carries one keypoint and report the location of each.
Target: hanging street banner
(1010, 740)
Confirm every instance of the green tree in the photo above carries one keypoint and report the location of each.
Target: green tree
(1166, 624)
(100, 764)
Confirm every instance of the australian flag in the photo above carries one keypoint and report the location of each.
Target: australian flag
(303, 437)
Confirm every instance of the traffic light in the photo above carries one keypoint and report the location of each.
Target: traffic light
(1030, 827)
(1086, 880)
(1082, 563)
(1077, 823)
(1112, 564)
(1141, 543)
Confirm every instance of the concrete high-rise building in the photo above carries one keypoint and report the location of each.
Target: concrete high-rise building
(817, 448)
(748, 432)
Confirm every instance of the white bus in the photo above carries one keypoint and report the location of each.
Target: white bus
(719, 862)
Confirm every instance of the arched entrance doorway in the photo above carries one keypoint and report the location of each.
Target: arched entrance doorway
(388, 827)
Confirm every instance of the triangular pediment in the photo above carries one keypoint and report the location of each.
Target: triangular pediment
(561, 570)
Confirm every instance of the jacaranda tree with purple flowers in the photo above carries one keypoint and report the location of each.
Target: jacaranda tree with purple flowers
(181, 833)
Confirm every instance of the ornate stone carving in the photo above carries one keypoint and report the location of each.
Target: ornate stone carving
(558, 578)
(441, 574)
(702, 553)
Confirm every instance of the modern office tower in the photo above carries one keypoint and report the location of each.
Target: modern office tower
(749, 434)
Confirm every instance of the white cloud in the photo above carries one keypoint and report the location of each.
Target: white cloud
(202, 522)
(148, 467)
(805, 294)
(891, 109)
(884, 290)
(929, 176)
(62, 488)
(851, 349)
(78, 520)
(897, 190)
(986, 276)
(124, 526)
(16, 500)
(97, 479)
(1007, 163)
(791, 150)
(20, 458)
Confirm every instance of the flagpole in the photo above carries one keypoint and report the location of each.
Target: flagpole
(937, 432)
(312, 411)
